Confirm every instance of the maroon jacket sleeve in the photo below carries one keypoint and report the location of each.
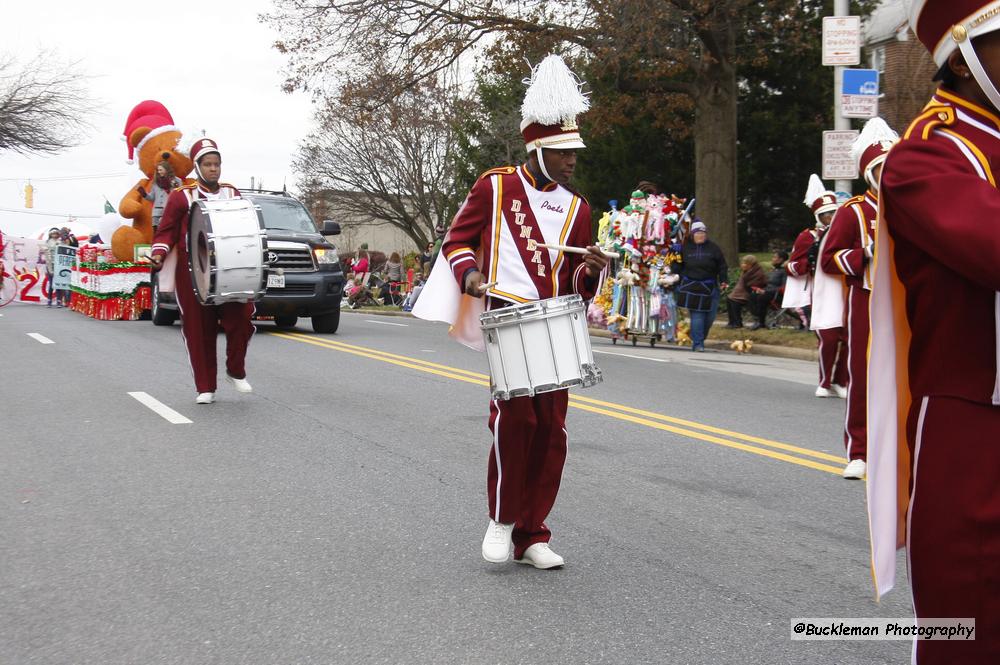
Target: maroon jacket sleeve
(843, 253)
(169, 231)
(950, 211)
(583, 284)
(798, 264)
(465, 234)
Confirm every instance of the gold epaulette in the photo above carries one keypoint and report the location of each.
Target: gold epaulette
(500, 170)
(190, 185)
(933, 116)
(860, 198)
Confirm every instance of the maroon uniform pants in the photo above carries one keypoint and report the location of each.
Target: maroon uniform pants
(832, 357)
(953, 539)
(200, 325)
(526, 463)
(856, 420)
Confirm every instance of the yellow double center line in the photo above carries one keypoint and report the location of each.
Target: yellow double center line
(688, 428)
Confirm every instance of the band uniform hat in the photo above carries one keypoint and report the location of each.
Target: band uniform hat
(872, 147)
(551, 106)
(819, 198)
(202, 147)
(943, 25)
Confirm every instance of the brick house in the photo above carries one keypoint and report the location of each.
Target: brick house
(905, 68)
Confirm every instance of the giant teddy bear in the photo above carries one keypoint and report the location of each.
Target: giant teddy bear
(150, 132)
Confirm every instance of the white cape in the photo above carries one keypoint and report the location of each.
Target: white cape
(442, 300)
(828, 297)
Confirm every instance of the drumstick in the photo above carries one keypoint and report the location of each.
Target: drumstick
(489, 285)
(575, 250)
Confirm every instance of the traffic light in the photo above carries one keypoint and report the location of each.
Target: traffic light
(29, 196)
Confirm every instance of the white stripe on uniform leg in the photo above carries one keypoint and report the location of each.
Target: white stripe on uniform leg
(496, 456)
(909, 510)
(850, 375)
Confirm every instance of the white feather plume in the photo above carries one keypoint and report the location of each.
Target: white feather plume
(815, 189)
(553, 95)
(875, 131)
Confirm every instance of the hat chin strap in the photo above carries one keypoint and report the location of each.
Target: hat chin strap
(541, 163)
(985, 84)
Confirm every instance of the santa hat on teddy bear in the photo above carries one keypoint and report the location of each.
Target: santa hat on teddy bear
(151, 114)
(551, 104)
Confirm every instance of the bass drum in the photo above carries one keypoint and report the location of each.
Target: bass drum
(226, 247)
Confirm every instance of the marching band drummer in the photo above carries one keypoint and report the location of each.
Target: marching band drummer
(200, 323)
(491, 249)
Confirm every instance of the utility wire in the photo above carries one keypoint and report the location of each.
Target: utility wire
(49, 214)
(96, 176)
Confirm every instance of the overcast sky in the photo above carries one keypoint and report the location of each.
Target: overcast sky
(210, 64)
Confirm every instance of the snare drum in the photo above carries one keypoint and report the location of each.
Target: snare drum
(226, 247)
(539, 347)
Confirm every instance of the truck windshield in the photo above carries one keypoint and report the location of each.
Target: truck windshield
(284, 214)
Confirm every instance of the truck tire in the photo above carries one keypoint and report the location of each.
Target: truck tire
(160, 315)
(285, 321)
(327, 323)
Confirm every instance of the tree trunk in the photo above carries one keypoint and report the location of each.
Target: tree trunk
(715, 155)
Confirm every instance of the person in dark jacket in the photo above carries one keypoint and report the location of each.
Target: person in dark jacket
(751, 276)
(703, 271)
(761, 298)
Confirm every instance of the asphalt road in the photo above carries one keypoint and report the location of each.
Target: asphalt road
(335, 515)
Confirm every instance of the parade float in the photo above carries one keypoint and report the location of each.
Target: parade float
(636, 297)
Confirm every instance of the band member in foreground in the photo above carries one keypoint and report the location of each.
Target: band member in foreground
(491, 253)
(799, 292)
(847, 251)
(200, 323)
(934, 398)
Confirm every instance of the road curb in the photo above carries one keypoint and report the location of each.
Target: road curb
(772, 350)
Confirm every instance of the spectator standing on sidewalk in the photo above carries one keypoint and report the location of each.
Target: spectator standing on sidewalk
(703, 272)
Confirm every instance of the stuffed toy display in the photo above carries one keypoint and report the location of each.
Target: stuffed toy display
(150, 132)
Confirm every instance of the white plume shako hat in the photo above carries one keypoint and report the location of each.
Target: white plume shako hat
(551, 105)
(872, 147)
(819, 198)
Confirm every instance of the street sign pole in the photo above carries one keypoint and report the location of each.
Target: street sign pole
(840, 123)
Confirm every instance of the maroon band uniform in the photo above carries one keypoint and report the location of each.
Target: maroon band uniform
(503, 218)
(845, 253)
(832, 341)
(941, 209)
(200, 324)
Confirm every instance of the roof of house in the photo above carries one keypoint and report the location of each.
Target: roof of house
(888, 19)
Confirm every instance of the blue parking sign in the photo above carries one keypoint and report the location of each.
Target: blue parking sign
(859, 93)
(860, 82)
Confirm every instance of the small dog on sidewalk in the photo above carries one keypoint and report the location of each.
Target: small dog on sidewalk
(741, 346)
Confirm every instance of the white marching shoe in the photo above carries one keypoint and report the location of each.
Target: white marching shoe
(498, 543)
(823, 392)
(840, 390)
(241, 385)
(855, 469)
(205, 398)
(540, 556)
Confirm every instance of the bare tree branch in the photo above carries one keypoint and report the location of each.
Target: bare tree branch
(43, 105)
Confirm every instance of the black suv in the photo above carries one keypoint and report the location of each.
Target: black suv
(304, 273)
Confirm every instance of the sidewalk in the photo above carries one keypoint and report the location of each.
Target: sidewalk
(719, 345)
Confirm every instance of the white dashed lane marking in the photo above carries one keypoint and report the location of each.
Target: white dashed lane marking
(386, 323)
(159, 408)
(42, 339)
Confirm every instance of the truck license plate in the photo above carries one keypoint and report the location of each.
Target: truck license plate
(275, 281)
